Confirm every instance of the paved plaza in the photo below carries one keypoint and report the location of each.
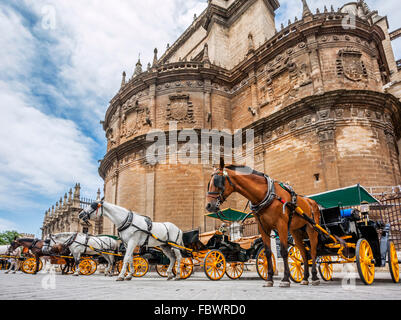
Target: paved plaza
(152, 287)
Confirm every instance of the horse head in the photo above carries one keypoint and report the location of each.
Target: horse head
(220, 187)
(88, 213)
(58, 249)
(14, 245)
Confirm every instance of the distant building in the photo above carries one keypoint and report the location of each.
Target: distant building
(63, 216)
(27, 235)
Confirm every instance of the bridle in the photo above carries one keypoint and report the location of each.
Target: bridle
(95, 207)
(219, 179)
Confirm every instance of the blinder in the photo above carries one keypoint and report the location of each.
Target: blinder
(219, 181)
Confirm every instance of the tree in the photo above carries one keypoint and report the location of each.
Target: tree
(7, 237)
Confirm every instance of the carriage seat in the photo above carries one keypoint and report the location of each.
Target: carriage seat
(246, 242)
(338, 221)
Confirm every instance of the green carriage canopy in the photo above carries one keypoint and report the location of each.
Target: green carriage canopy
(110, 236)
(230, 215)
(344, 197)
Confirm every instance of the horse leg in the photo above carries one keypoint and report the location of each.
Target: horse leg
(313, 237)
(77, 257)
(167, 251)
(9, 268)
(178, 258)
(268, 253)
(37, 264)
(283, 235)
(127, 259)
(298, 238)
(110, 263)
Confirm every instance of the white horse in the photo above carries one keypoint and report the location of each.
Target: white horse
(133, 231)
(80, 243)
(14, 262)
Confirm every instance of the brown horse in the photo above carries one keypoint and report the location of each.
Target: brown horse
(271, 205)
(34, 245)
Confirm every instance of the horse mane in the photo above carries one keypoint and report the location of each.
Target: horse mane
(244, 169)
(26, 239)
(63, 234)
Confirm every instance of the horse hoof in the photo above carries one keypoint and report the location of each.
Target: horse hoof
(75, 274)
(120, 279)
(284, 284)
(128, 278)
(170, 278)
(177, 279)
(268, 284)
(315, 283)
(304, 283)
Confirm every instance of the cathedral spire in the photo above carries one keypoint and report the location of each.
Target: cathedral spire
(305, 11)
(155, 58)
(123, 79)
(205, 58)
(138, 67)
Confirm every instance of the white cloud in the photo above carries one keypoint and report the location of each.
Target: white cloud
(6, 225)
(41, 153)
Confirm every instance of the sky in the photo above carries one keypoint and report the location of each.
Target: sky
(60, 64)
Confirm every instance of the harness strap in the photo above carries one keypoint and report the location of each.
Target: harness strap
(86, 243)
(33, 245)
(269, 198)
(127, 222)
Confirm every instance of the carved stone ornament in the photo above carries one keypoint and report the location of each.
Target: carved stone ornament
(110, 137)
(180, 109)
(133, 119)
(351, 65)
(324, 114)
(326, 133)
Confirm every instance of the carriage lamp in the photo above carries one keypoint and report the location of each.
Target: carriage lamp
(364, 208)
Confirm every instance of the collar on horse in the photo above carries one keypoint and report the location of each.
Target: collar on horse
(127, 222)
(269, 198)
(71, 240)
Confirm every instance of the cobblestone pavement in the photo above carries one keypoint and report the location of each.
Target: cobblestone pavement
(152, 287)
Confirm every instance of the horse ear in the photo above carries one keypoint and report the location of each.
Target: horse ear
(222, 163)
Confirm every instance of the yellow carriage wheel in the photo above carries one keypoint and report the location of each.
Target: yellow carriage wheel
(87, 267)
(326, 268)
(162, 270)
(393, 263)
(234, 270)
(295, 264)
(141, 267)
(364, 261)
(261, 263)
(186, 269)
(215, 265)
(29, 265)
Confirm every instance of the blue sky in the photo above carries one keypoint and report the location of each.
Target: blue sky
(60, 64)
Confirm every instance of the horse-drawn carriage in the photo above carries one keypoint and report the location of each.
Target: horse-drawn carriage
(216, 254)
(350, 237)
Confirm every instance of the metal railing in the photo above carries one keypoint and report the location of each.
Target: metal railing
(85, 202)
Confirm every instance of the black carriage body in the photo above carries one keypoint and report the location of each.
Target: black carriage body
(350, 228)
(232, 251)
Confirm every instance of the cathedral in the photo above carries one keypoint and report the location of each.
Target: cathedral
(321, 94)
